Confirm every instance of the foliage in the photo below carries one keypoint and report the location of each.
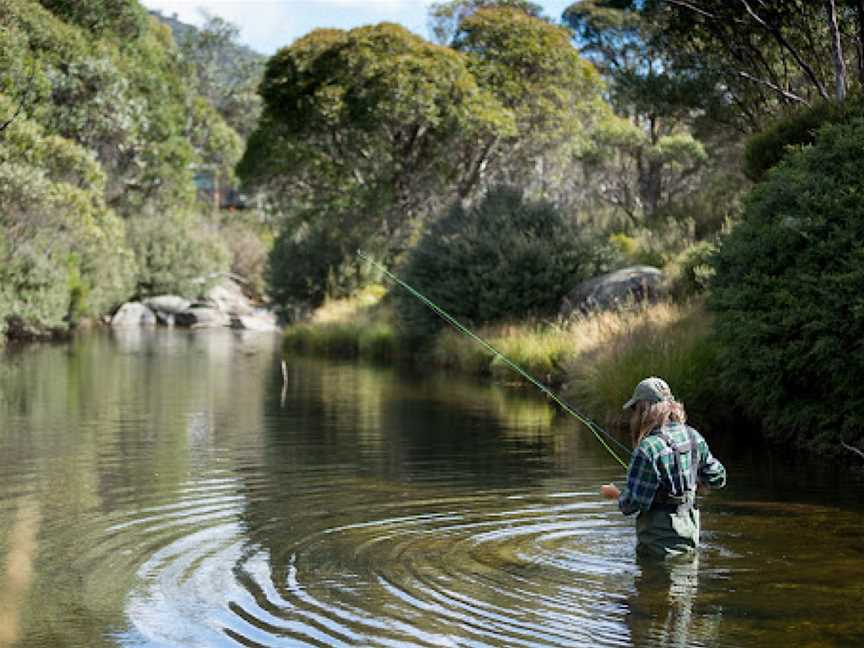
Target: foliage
(534, 72)
(300, 268)
(176, 254)
(654, 246)
(59, 238)
(446, 17)
(790, 315)
(503, 258)
(225, 73)
(660, 153)
(792, 131)
(249, 246)
(370, 133)
(372, 120)
(674, 342)
(124, 19)
(362, 131)
(690, 273)
(98, 130)
(355, 326)
(767, 56)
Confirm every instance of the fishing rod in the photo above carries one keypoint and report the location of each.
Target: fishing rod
(598, 432)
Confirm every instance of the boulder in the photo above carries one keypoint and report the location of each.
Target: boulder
(635, 284)
(198, 316)
(133, 314)
(166, 307)
(228, 297)
(171, 304)
(261, 321)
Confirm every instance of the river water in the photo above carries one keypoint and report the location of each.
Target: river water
(162, 489)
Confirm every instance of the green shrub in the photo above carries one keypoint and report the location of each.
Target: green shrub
(791, 132)
(504, 258)
(788, 298)
(300, 266)
(690, 273)
(176, 253)
(249, 245)
(377, 341)
(64, 254)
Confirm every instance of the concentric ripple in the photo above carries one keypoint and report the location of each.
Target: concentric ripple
(165, 490)
(491, 570)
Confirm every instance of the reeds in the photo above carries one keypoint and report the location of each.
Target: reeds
(594, 359)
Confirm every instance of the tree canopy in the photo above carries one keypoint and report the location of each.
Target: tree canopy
(372, 131)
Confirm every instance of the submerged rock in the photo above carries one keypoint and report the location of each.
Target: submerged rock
(133, 314)
(632, 285)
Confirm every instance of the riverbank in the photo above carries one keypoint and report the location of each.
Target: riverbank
(592, 360)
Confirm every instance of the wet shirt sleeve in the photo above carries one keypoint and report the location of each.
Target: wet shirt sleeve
(642, 483)
(712, 473)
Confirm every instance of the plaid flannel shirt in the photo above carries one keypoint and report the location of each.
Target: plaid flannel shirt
(652, 468)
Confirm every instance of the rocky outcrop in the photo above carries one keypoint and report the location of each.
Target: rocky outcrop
(133, 314)
(167, 307)
(228, 297)
(202, 316)
(261, 321)
(223, 305)
(632, 285)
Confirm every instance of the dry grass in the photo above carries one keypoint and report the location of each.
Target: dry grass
(595, 360)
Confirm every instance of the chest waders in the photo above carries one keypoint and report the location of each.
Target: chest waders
(671, 525)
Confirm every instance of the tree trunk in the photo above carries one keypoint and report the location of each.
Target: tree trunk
(837, 51)
(859, 10)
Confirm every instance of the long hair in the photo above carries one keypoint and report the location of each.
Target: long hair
(651, 416)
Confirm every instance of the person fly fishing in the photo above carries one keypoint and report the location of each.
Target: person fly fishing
(670, 461)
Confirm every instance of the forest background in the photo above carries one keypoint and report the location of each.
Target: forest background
(495, 166)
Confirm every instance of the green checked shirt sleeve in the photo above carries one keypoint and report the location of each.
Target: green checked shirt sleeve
(711, 471)
(642, 483)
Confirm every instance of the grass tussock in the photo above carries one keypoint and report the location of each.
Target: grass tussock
(358, 326)
(620, 349)
(595, 360)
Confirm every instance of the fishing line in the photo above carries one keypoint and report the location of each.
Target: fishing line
(598, 432)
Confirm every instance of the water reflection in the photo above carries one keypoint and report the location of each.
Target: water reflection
(662, 609)
(185, 501)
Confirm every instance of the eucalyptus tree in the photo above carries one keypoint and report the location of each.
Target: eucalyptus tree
(769, 55)
(369, 133)
(224, 72)
(446, 17)
(652, 154)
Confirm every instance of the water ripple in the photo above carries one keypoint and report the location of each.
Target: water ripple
(487, 571)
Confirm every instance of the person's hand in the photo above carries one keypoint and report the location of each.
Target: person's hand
(610, 491)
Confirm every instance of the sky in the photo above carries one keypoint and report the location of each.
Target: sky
(267, 25)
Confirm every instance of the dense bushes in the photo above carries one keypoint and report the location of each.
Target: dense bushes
(768, 148)
(63, 252)
(504, 258)
(101, 140)
(175, 253)
(790, 309)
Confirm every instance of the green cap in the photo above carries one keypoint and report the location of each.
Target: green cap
(652, 390)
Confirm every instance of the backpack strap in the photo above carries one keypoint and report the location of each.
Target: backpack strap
(687, 500)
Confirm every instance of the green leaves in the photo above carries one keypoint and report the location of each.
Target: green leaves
(788, 292)
(504, 258)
